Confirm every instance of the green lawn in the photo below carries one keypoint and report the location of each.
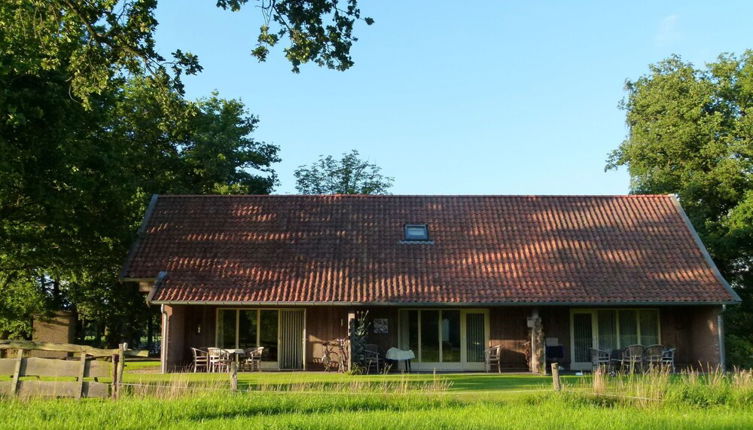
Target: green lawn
(475, 382)
(308, 400)
(362, 412)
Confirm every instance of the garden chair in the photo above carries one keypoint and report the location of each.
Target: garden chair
(632, 358)
(200, 360)
(493, 357)
(668, 359)
(652, 356)
(219, 360)
(252, 359)
(600, 359)
(372, 358)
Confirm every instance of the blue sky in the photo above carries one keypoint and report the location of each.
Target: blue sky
(493, 97)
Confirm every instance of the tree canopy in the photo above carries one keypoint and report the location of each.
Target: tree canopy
(93, 120)
(691, 134)
(95, 41)
(348, 175)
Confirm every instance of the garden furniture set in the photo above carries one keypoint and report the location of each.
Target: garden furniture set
(634, 358)
(219, 359)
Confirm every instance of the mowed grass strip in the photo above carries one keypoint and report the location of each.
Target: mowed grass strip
(361, 411)
(331, 380)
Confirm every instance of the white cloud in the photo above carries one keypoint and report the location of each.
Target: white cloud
(669, 31)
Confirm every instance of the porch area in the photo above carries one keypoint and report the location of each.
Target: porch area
(444, 339)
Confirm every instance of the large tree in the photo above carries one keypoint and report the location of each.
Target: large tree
(71, 201)
(91, 42)
(93, 120)
(691, 133)
(348, 175)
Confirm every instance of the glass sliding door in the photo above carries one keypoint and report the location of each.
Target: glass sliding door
(429, 351)
(444, 339)
(583, 339)
(227, 328)
(607, 327)
(249, 328)
(246, 329)
(649, 322)
(628, 328)
(609, 330)
(268, 334)
(475, 339)
(409, 331)
(450, 336)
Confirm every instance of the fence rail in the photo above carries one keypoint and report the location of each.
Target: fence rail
(85, 367)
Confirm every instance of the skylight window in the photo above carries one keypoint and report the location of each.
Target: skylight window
(416, 232)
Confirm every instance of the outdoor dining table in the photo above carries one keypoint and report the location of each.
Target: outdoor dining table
(397, 354)
(234, 354)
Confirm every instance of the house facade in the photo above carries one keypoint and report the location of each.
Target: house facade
(545, 277)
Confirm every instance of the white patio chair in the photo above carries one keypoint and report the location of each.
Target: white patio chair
(219, 360)
(493, 357)
(252, 360)
(200, 360)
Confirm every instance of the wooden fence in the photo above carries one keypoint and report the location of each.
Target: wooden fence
(85, 367)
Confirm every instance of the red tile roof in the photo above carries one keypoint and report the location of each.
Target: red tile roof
(485, 249)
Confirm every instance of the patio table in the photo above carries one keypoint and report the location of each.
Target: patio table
(397, 354)
(234, 353)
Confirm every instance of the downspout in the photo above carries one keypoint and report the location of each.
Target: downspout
(164, 340)
(722, 349)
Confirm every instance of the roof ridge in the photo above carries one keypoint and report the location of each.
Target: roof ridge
(621, 196)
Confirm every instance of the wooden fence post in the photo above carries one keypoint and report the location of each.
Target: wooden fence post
(234, 376)
(81, 374)
(121, 366)
(556, 383)
(115, 376)
(17, 373)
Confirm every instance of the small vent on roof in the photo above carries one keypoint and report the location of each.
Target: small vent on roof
(416, 233)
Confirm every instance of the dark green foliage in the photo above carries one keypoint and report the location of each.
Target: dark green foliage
(359, 332)
(75, 183)
(95, 41)
(691, 133)
(349, 175)
(93, 121)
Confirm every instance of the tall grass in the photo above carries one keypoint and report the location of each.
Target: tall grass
(361, 411)
(656, 400)
(184, 385)
(709, 387)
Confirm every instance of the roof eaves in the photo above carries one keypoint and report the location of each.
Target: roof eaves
(139, 235)
(160, 278)
(435, 304)
(735, 297)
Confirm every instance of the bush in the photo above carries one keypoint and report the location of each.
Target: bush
(739, 351)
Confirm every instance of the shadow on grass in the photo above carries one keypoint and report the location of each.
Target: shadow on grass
(327, 405)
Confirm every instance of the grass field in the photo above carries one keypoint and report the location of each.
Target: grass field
(290, 400)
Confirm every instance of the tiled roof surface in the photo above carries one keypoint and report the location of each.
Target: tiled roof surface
(486, 249)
